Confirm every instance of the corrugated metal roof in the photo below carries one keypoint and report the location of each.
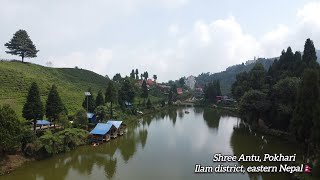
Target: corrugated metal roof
(42, 122)
(117, 124)
(101, 128)
(90, 115)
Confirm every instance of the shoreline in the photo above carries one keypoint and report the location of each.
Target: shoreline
(10, 163)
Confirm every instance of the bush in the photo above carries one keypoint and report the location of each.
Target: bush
(33, 148)
(80, 119)
(10, 130)
(149, 105)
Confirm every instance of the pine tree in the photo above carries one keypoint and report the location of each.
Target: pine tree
(309, 56)
(89, 102)
(54, 105)
(111, 95)
(144, 88)
(33, 108)
(21, 45)
(126, 92)
(137, 74)
(10, 129)
(132, 74)
(306, 115)
(99, 99)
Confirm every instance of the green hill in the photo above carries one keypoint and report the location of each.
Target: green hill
(16, 78)
(228, 77)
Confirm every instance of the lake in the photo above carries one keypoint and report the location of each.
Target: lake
(166, 145)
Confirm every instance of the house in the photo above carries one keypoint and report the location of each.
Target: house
(190, 82)
(164, 88)
(102, 132)
(92, 118)
(179, 91)
(120, 126)
(149, 82)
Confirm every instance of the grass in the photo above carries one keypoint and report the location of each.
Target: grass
(16, 78)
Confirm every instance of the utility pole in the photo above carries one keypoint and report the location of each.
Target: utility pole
(87, 94)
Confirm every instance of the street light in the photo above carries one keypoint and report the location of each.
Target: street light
(87, 94)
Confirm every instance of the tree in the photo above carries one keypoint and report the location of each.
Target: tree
(117, 77)
(137, 74)
(155, 77)
(144, 88)
(253, 105)
(54, 105)
(309, 57)
(33, 108)
(146, 75)
(111, 96)
(170, 98)
(126, 92)
(306, 117)
(10, 130)
(182, 81)
(132, 74)
(21, 45)
(99, 99)
(101, 113)
(88, 102)
(149, 105)
(80, 119)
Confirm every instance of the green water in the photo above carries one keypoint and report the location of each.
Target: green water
(164, 146)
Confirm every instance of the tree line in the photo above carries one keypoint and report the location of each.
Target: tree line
(286, 97)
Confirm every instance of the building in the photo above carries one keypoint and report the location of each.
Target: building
(190, 82)
(179, 91)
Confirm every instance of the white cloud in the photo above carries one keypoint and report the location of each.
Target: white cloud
(81, 38)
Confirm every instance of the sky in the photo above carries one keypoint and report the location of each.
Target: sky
(169, 38)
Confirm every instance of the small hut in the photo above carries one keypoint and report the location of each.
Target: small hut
(92, 118)
(42, 123)
(120, 126)
(102, 132)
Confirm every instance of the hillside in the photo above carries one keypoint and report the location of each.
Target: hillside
(16, 78)
(228, 77)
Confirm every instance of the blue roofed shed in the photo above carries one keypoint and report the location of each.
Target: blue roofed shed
(92, 118)
(43, 122)
(101, 129)
(117, 124)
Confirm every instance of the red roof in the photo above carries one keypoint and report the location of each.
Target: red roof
(179, 91)
(150, 82)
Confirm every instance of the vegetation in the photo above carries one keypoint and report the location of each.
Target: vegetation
(111, 96)
(16, 79)
(228, 77)
(211, 91)
(99, 99)
(54, 105)
(10, 130)
(287, 97)
(89, 102)
(33, 108)
(21, 45)
(80, 119)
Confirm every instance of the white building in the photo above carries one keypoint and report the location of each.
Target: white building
(190, 82)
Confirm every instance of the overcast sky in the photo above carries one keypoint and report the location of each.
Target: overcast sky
(170, 38)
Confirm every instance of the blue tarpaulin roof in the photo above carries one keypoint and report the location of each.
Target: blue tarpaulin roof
(117, 124)
(42, 122)
(90, 115)
(101, 128)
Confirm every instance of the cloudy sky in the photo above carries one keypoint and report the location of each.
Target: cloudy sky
(170, 38)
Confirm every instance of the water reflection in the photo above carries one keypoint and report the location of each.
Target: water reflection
(159, 146)
(211, 118)
(259, 144)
